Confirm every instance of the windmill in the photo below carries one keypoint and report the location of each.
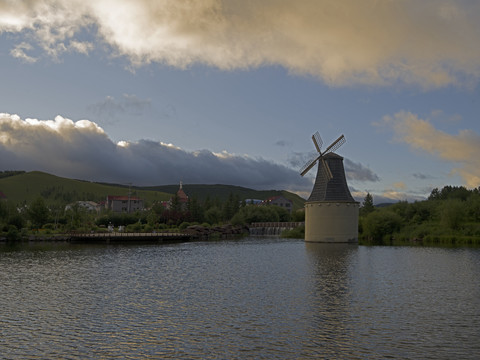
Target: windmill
(331, 213)
(317, 141)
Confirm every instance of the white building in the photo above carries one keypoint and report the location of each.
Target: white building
(124, 204)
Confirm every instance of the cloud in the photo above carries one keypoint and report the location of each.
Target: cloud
(128, 104)
(19, 52)
(358, 172)
(461, 150)
(400, 185)
(421, 176)
(342, 43)
(282, 143)
(83, 47)
(83, 150)
(392, 195)
(387, 196)
(353, 171)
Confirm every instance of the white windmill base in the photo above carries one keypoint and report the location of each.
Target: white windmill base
(331, 222)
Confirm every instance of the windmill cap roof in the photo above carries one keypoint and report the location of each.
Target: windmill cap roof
(334, 188)
(333, 155)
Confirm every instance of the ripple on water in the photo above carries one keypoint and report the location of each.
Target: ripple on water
(250, 299)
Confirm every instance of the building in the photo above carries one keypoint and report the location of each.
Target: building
(279, 201)
(87, 205)
(331, 213)
(253, 201)
(182, 197)
(124, 204)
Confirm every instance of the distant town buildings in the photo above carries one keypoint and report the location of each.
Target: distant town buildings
(87, 205)
(124, 204)
(253, 201)
(279, 201)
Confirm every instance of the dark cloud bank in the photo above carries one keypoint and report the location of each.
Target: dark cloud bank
(83, 150)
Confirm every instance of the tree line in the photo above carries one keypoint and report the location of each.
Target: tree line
(47, 217)
(450, 215)
(7, 173)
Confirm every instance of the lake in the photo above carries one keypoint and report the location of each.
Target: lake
(255, 298)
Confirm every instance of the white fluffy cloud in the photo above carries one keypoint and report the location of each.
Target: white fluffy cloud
(429, 43)
(461, 150)
(83, 150)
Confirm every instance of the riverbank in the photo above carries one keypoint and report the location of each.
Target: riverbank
(442, 241)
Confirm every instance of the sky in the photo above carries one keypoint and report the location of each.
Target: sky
(154, 92)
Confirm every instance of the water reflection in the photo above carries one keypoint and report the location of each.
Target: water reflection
(330, 265)
(255, 298)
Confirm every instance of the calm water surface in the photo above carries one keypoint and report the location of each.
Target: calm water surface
(254, 298)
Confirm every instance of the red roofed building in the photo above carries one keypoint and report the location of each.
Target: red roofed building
(124, 204)
(182, 197)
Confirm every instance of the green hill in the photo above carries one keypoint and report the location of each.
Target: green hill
(24, 187)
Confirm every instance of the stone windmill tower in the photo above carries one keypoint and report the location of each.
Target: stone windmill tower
(331, 213)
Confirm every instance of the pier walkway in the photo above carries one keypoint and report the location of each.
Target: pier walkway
(129, 237)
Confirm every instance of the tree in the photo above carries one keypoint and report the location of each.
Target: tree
(367, 206)
(230, 207)
(254, 213)
(38, 212)
(379, 224)
(473, 206)
(195, 209)
(452, 213)
(434, 195)
(3, 210)
(213, 215)
(77, 216)
(175, 204)
(298, 215)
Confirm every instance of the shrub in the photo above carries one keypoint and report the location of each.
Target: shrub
(379, 224)
(13, 234)
(452, 213)
(296, 233)
(184, 225)
(48, 226)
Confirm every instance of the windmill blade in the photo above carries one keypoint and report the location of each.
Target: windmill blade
(326, 170)
(308, 166)
(335, 145)
(317, 140)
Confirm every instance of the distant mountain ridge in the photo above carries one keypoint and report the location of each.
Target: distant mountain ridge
(24, 187)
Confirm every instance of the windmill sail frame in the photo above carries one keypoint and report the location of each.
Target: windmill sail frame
(318, 142)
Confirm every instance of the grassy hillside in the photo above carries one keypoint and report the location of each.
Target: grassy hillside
(26, 187)
(222, 192)
(23, 188)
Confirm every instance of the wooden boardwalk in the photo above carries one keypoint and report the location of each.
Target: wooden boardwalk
(119, 237)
